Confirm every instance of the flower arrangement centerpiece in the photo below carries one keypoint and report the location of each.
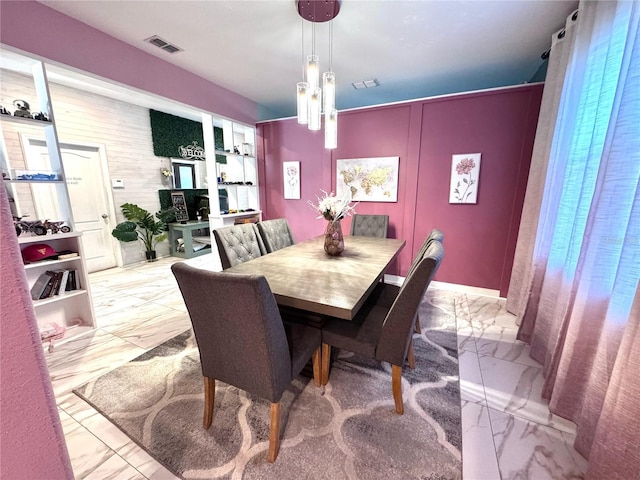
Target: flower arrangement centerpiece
(333, 209)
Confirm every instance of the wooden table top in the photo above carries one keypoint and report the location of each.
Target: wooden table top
(304, 276)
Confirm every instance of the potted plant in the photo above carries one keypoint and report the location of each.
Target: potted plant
(140, 225)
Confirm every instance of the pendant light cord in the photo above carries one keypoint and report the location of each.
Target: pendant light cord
(331, 46)
(303, 62)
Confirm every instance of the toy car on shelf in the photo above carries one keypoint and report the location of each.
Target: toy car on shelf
(56, 227)
(38, 227)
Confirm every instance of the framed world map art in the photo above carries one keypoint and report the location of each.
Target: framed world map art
(368, 179)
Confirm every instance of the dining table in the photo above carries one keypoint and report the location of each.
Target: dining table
(302, 276)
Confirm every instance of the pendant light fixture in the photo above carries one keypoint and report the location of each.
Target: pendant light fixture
(303, 91)
(313, 98)
(330, 112)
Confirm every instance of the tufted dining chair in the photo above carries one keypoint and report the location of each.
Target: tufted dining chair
(275, 234)
(243, 340)
(238, 244)
(382, 332)
(370, 225)
(389, 292)
(435, 234)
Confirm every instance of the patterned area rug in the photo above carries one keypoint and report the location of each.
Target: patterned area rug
(348, 430)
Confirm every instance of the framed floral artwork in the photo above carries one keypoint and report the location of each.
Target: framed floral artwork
(465, 174)
(291, 175)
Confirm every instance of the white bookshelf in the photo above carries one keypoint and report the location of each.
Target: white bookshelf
(72, 310)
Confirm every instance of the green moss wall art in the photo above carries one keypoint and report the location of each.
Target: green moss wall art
(178, 137)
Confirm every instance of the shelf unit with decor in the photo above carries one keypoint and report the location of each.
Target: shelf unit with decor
(236, 176)
(70, 309)
(32, 182)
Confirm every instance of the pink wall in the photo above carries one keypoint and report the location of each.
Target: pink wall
(37, 29)
(286, 141)
(479, 239)
(33, 444)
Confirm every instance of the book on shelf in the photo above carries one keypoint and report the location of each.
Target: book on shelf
(40, 286)
(67, 254)
(49, 289)
(54, 282)
(63, 282)
(71, 281)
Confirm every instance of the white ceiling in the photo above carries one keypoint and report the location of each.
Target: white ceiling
(414, 48)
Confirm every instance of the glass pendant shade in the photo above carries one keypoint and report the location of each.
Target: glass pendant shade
(329, 91)
(315, 106)
(331, 129)
(317, 96)
(303, 103)
(313, 72)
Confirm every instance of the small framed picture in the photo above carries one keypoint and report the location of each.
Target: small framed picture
(465, 174)
(291, 176)
(179, 203)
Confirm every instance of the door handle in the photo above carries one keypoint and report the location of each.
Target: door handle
(105, 216)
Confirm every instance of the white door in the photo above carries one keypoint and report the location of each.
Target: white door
(84, 167)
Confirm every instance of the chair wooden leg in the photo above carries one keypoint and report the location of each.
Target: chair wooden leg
(410, 357)
(396, 385)
(316, 360)
(274, 432)
(418, 327)
(326, 357)
(209, 397)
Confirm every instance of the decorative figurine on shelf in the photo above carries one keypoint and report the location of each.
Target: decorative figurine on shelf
(236, 150)
(167, 177)
(203, 212)
(24, 226)
(56, 227)
(41, 116)
(38, 227)
(4, 111)
(22, 109)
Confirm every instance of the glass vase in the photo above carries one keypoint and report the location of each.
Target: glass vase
(333, 239)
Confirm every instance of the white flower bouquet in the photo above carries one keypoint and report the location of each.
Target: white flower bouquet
(333, 208)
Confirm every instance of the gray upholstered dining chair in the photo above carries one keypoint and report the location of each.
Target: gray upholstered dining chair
(275, 234)
(238, 243)
(242, 339)
(370, 225)
(435, 234)
(381, 332)
(389, 292)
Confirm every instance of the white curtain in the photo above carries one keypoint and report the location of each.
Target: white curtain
(577, 266)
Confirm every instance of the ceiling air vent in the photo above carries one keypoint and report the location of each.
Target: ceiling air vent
(366, 84)
(164, 45)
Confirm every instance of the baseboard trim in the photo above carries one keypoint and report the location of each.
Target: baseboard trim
(487, 292)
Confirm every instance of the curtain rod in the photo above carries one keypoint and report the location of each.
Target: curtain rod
(561, 34)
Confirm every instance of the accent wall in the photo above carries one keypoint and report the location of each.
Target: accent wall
(479, 238)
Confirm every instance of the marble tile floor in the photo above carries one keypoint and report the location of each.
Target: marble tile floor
(508, 432)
